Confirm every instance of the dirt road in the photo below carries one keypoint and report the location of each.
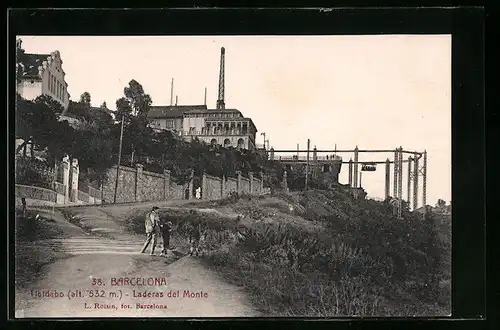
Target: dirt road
(86, 282)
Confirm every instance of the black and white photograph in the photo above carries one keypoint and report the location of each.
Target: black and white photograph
(233, 176)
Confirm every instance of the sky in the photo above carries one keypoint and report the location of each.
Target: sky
(374, 92)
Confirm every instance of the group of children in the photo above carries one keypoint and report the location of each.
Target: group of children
(156, 226)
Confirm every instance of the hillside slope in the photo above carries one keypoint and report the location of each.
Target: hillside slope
(322, 253)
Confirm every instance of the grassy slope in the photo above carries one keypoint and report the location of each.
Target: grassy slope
(322, 254)
(30, 256)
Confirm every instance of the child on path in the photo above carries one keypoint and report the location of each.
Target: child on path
(194, 239)
(166, 229)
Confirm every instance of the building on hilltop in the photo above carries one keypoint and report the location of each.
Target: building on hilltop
(39, 74)
(225, 127)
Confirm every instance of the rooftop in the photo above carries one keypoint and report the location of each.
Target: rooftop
(172, 111)
(29, 63)
(177, 111)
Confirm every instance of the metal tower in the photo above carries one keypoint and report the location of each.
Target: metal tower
(415, 183)
(400, 182)
(424, 183)
(396, 173)
(387, 178)
(355, 169)
(220, 99)
(408, 184)
(350, 173)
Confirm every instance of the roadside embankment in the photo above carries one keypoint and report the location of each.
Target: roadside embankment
(320, 254)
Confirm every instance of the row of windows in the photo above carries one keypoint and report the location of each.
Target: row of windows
(169, 123)
(214, 115)
(232, 124)
(57, 88)
(227, 143)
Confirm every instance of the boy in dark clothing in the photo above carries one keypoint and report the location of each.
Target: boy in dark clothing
(194, 239)
(166, 229)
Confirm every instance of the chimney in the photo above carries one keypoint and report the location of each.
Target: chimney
(220, 99)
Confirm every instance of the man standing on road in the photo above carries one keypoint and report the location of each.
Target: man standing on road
(152, 224)
(166, 228)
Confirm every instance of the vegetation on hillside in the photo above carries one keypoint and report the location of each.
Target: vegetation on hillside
(322, 253)
(94, 141)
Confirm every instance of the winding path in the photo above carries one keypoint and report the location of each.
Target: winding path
(105, 252)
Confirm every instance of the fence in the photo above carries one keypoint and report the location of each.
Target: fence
(135, 184)
(216, 188)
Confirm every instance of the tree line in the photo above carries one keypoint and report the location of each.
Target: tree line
(94, 140)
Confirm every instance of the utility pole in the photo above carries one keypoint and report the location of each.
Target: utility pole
(355, 170)
(298, 151)
(267, 142)
(205, 102)
(360, 177)
(54, 184)
(307, 164)
(119, 160)
(264, 134)
(172, 92)
(350, 173)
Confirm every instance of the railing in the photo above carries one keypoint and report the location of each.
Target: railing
(311, 158)
(214, 133)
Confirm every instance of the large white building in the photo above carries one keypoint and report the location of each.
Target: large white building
(225, 127)
(39, 74)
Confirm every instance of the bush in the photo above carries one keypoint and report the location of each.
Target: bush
(363, 261)
(32, 172)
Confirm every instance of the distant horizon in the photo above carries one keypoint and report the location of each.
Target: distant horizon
(376, 92)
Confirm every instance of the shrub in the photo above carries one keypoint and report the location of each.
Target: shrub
(32, 172)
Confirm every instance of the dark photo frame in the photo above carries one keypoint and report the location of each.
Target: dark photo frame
(467, 27)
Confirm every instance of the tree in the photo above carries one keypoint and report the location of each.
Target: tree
(85, 99)
(133, 108)
(37, 122)
(440, 203)
(138, 100)
(103, 105)
(123, 110)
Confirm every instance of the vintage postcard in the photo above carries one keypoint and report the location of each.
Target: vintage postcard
(233, 176)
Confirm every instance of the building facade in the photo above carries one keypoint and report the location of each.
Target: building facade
(39, 74)
(225, 127)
